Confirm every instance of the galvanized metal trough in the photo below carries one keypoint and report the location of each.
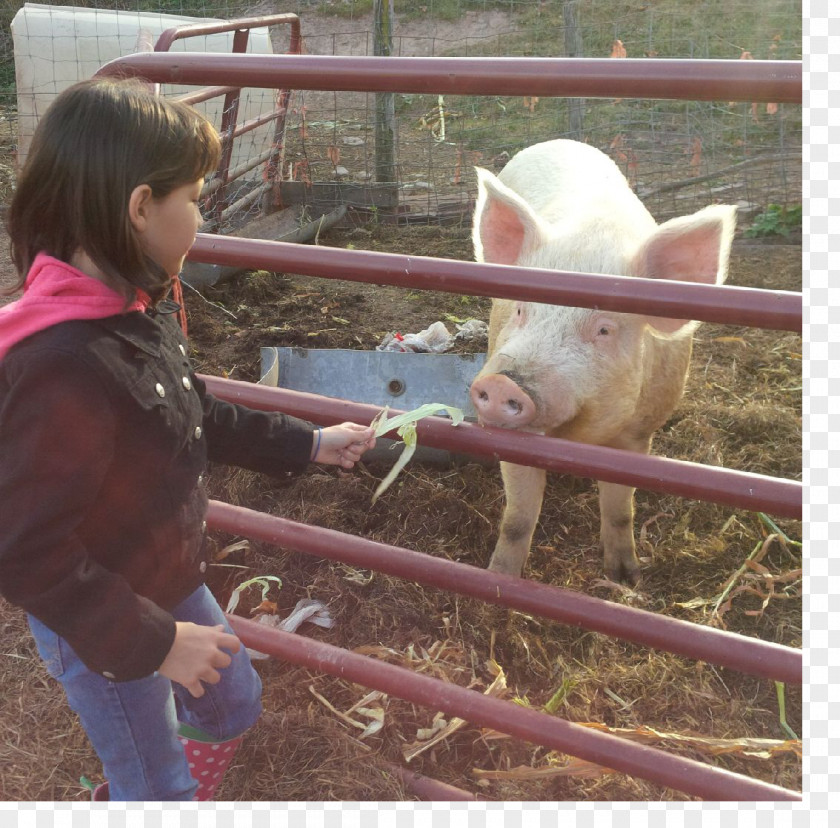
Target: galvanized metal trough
(381, 378)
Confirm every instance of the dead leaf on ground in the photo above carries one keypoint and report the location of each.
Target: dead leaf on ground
(557, 764)
(440, 729)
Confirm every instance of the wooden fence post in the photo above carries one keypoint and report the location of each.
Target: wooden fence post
(385, 133)
(574, 48)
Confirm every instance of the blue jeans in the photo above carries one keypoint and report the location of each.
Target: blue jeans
(133, 725)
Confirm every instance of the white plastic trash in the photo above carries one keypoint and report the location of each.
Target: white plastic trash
(433, 340)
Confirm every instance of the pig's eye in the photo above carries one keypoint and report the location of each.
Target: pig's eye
(604, 329)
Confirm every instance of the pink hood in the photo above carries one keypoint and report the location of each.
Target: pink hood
(56, 292)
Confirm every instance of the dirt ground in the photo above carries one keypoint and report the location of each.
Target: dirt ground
(741, 409)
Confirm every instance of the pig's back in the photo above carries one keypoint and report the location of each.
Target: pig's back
(564, 178)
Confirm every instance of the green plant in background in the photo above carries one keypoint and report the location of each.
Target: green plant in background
(412, 10)
(776, 220)
(350, 8)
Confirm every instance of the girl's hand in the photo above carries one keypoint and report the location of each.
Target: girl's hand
(341, 445)
(196, 655)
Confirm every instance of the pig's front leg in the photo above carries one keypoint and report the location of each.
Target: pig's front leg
(620, 561)
(524, 487)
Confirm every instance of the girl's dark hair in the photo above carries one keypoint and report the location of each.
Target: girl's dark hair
(97, 141)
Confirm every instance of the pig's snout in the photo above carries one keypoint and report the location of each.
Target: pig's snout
(499, 401)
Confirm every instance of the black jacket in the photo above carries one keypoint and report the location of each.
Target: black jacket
(105, 436)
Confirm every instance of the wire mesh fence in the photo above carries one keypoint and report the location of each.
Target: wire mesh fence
(679, 155)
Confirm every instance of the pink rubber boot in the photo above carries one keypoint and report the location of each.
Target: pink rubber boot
(100, 793)
(208, 760)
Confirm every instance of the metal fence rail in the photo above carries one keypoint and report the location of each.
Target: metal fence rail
(738, 652)
(778, 81)
(725, 304)
(604, 749)
(730, 487)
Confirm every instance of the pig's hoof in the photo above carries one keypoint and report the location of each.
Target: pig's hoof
(625, 573)
(505, 567)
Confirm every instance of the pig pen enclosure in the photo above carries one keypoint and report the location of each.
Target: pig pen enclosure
(324, 738)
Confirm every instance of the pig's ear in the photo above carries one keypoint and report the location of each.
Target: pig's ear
(691, 248)
(505, 228)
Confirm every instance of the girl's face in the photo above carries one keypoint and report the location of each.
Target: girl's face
(169, 225)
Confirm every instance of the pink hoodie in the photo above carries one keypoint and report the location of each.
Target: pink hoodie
(56, 292)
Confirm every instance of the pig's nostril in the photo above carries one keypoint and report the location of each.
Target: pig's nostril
(516, 406)
(482, 395)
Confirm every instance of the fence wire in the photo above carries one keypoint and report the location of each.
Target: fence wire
(678, 155)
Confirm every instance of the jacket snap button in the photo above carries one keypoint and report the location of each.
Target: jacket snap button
(160, 390)
(197, 432)
(182, 349)
(202, 567)
(109, 676)
(186, 383)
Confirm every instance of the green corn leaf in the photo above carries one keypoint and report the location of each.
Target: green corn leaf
(559, 697)
(382, 425)
(262, 580)
(406, 427)
(409, 435)
(780, 697)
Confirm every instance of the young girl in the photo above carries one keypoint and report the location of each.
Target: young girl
(105, 436)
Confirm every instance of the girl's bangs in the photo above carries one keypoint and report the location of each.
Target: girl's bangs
(207, 150)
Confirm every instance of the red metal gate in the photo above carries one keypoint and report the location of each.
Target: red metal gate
(778, 81)
(216, 188)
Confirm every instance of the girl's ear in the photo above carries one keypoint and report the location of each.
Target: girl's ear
(138, 205)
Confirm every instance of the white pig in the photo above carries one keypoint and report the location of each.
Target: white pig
(594, 376)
